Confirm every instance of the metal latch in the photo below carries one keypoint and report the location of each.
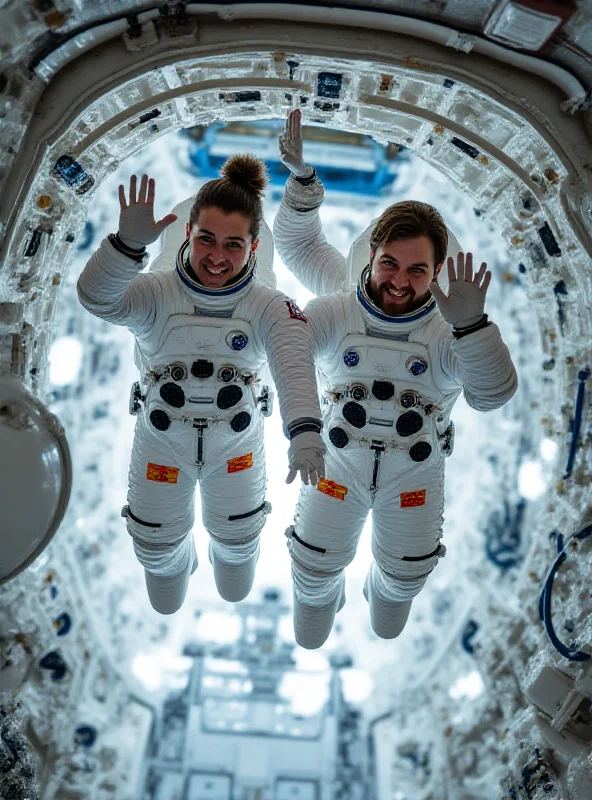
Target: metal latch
(136, 401)
(265, 401)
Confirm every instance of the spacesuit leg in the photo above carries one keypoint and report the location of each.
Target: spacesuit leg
(159, 517)
(322, 542)
(234, 512)
(407, 527)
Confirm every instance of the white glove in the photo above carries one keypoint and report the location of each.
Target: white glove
(136, 220)
(290, 144)
(306, 455)
(465, 302)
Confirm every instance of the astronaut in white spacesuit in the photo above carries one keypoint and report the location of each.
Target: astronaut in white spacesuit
(205, 330)
(392, 357)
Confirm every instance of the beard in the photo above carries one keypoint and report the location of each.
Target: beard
(395, 306)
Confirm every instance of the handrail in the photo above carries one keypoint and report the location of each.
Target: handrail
(546, 594)
(583, 376)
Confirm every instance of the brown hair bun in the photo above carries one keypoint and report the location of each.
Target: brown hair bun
(246, 171)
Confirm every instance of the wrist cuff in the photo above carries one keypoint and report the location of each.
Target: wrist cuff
(308, 180)
(126, 250)
(302, 426)
(458, 333)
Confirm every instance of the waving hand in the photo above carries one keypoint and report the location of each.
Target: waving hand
(465, 302)
(290, 145)
(137, 227)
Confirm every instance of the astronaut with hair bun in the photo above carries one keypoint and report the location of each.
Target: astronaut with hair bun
(205, 332)
(392, 357)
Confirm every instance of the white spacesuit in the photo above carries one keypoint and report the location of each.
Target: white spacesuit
(200, 404)
(388, 384)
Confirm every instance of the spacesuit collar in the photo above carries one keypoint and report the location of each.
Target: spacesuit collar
(375, 317)
(200, 291)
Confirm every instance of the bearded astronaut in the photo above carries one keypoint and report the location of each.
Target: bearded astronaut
(205, 330)
(392, 357)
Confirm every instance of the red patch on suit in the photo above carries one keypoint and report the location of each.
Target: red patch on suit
(161, 474)
(332, 489)
(295, 312)
(411, 499)
(240, 462)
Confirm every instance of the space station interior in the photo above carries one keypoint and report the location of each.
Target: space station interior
(482, 108)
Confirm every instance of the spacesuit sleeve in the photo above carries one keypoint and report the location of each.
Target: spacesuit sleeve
(110, 288)
(301, 243)
(482, 364)
(323, 326)
(288, 341)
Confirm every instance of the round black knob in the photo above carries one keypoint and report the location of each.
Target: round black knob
(420, 451)
(160, 419)
(355, 414)
(409, 423)
(338, 437)
(241, 421)
(229, 396)
(173, 395)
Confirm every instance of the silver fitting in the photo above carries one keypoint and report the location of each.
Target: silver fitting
(227, 373)
(357, 391)
(177, 371)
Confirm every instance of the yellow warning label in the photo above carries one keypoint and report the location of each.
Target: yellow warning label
(156, 472)
(332, 489)
(240, 462)
(410, 499)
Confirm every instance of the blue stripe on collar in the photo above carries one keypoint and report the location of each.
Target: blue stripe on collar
(203, 290)
(372, 309)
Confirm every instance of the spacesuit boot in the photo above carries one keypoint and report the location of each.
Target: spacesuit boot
(313, 624)
(233, 581)
(386, 617)
(167, 594)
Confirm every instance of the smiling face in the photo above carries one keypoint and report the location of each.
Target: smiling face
(401, 272)
(220, 246)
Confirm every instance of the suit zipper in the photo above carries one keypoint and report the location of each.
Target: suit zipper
(379, 449)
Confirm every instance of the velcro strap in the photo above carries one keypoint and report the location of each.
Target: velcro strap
(248, 513)
(125, 512)
(306, 181)
(422, 558)
(306, 544)
(458, 333)
(136, 255)
(303, 425)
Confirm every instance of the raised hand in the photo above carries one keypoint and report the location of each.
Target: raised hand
(137, 227)
(306, 455)
(290, 144)
(465, 302)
